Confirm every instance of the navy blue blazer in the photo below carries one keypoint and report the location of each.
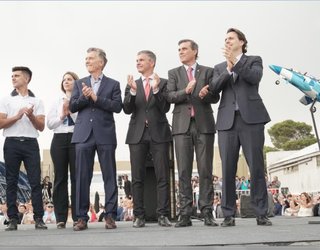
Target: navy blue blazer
(96, 117)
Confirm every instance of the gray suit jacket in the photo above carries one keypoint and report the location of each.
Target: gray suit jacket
(243, 90)
(96, 117)
(177, 82)
(154, 110)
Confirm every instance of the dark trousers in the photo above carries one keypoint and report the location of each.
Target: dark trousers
(138, 158)
(64, 158)
(85, 153)
(15, 152)
(185, 145)
(251, 139)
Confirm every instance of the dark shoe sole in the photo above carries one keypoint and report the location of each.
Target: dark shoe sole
(80, 229)
(231, 224)
(135, 226)
(264, 224)
(164, 225)
(110, 227)
(211, 224)
(183, 225)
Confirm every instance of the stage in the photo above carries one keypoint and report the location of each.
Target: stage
(286, 231)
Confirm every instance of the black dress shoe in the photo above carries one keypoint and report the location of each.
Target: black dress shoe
(13, 225)
(184, 221)
(40, 224)
(139, 222)
(263, 221)
(228, 222)
(163, 221)
(209, 220)
(61, 225)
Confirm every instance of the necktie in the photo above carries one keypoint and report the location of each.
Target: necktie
(234, 76)
(70, 120)
(190, 78)
(147, 88)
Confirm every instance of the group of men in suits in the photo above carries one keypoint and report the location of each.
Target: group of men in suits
(192, 88)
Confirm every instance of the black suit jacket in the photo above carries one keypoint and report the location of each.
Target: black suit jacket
(154, 111)
(243, 90)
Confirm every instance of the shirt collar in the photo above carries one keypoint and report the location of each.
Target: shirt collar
(99, 78)
(15, 93)
(192, 66)
(143, 78)
(238, 58)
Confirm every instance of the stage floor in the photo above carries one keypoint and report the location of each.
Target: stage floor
(286, 232)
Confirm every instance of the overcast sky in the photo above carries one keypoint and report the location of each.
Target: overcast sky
(52, 38)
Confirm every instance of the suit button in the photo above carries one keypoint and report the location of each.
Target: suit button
(91, 120)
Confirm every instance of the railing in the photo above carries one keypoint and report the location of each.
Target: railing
(246, 192)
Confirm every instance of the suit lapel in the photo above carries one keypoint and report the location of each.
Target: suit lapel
(87, 82)
(196, 76)
(242, 61)
(184, 75)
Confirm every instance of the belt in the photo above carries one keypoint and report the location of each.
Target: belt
(22, 138)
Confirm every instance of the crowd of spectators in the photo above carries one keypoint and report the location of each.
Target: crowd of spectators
(285, 204)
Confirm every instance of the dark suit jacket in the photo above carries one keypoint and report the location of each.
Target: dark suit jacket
(177, 82)
(244, 89)
(154, 111)
(96, 117)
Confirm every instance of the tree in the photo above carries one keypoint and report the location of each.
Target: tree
(291, 135)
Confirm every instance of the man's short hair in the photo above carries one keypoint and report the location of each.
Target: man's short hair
(25, 70)
(101, 54)
(150, 54)
(194, 45)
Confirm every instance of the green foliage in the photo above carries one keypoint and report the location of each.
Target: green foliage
(291, 135)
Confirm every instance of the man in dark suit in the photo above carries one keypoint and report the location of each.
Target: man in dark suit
(95, 98)
(240, 122)
(193, 129)
(148, 131)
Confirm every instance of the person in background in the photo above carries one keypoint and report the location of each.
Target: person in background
(46, 189)
(49, 214)
(62, 151)
(21, 117)
(305, 205)
(127, 186)
(22, 210)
